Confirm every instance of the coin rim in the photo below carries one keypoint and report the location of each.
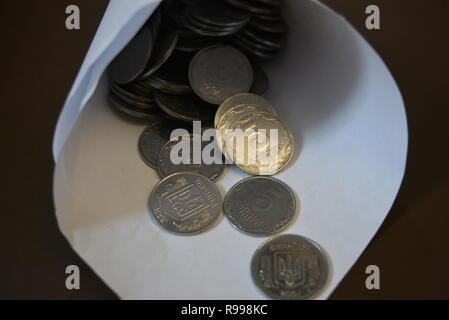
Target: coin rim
(140, 139)
(254, 270)
(218, 116)
(199, 53)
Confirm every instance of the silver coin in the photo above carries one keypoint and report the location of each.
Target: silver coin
(166, 167)
(290, 267)
(185, 203)
(219, 72)
(260, 205)
(240, 99)
(154, 137)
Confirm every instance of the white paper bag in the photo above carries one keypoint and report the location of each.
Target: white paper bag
(345, 112)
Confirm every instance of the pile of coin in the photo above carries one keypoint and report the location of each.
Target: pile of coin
(173, 67)
(195, 60)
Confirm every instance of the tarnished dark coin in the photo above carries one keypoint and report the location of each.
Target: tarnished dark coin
(219, 72)
(154, 137)
(217, 12)
(172, 76)
(257, 7)
(167, 86)
(261, 82)
(270, 18)
(267, 40)
(270, 2)
(259, 153)
(130, 63)
(166, 167)
(267, 26)
(208, 30)
(133, 93)
(133, 100)
(136, 112)
(185, 107)
(186, 203)
(196, 43)
(260, 205)
(253, 48)
(154, 23)
(290, 267)
(165, 44)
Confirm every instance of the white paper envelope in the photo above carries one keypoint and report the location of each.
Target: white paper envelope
(349, 123)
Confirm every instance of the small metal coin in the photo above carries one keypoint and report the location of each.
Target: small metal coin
(154, 137)
(266, 40)
(219, 72)
(172, 76)
(138, 103)
(267, 26)
(270, 18)
(253, 148)
(270, 2)
(185, 107)
(203, 29)
(195, 44)
(165, 44)
(186, 203)
(217, 12)
(249, 48)
(129, 64)
(131, 93)
(260, 205)
(261, 82)
(255, 7)
(230, 116)
(195, 163)
(136, 112)
(290, 267)
(243, 98)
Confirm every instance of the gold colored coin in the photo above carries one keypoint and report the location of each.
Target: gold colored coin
(259, 143)
(230, 116)
(243, 98)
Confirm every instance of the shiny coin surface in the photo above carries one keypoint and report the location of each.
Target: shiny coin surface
(136, 112)
(290, 267)
(129, 64)
(186, 203)
(243, 98)
(194, 163)
(260, 205)
(154, 137)
(219, 72)
(185, 107)
(232, 115)
(260, 143)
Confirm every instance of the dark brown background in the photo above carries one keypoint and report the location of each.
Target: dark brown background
(39, 61)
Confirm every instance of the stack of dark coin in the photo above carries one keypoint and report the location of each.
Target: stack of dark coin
(153, 76)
